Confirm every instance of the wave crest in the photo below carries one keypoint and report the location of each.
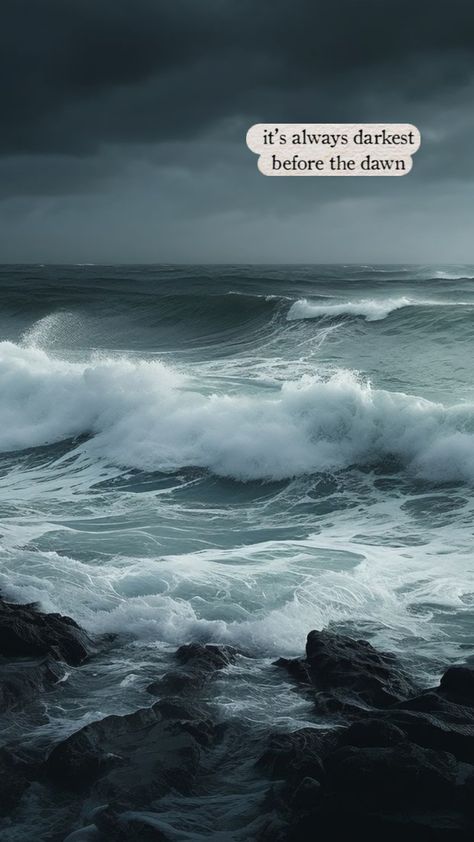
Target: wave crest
(371, 309)
(152, 417)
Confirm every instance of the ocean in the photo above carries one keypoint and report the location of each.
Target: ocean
(237, 454)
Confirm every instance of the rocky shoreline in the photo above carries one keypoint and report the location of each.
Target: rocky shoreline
(398, 762)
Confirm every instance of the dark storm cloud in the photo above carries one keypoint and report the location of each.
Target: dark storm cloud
(81, 73)
(123, 129)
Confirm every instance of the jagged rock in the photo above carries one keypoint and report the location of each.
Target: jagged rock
(80, 758)
(119, 826)
(85, 834)
(22, 680)
(338, 662)
(458, 683)
(434, 730)
(134, 758)
(349, 674)
(198, 662)
(297, 668)
(397, 770)
(440, 718)
(297, 755)
(337, 821)
(338, 706)
(193, 718)
(372, 733)
(208, 657)
(26, 632)
(392, 776)
(307, 795)
(15, 776)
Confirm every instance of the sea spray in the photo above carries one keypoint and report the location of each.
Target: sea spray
(150, 416)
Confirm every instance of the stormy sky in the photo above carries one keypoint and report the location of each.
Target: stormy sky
(124, 122)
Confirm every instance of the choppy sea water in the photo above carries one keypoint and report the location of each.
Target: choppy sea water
(237, 454)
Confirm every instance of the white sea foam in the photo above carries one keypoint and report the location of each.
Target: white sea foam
(150, 416)
(371, 309)
(270, 594)
(454, 276)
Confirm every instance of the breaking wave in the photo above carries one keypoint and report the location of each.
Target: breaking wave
(150, 416)
(373, 310)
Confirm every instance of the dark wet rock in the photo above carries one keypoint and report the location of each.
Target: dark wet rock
(440, 718)
(164, 759)
(338, 663)
(458, 683)
(23, 679)
(393, 775)
(198, 663)
(466, 793)
(121, 826)
(175, 682)
(15, 777)
(297, 755)
(275, 829)
(402, 768)
(372, 733)
(134, 758)
(390, 792)
(206, 658)
(339, 706)
(85, 834)
(34, 648)
(27, 632)
(297, 668)
(80, 758)
(432, 701)
(307, 795)
(176, 708)
(391, 826)
(193, 718)
(436, 731)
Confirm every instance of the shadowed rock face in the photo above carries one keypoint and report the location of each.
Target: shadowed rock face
(372, 732)
(297, 755)
(135, 759)
(402, 765)
(22, 681)
(399, 764)
(132, 759)
(458, 683)
(26, 632)
(15, 778)
(351, 668)
(392, 775)
(129, 763)
(196, 663)
(33, 650)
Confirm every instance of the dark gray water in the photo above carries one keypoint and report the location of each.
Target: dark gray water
(238, 454)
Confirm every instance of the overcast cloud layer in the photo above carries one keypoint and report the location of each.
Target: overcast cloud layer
(123, 129)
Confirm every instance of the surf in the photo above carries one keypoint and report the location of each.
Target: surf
(152, 416)
(371, 309)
